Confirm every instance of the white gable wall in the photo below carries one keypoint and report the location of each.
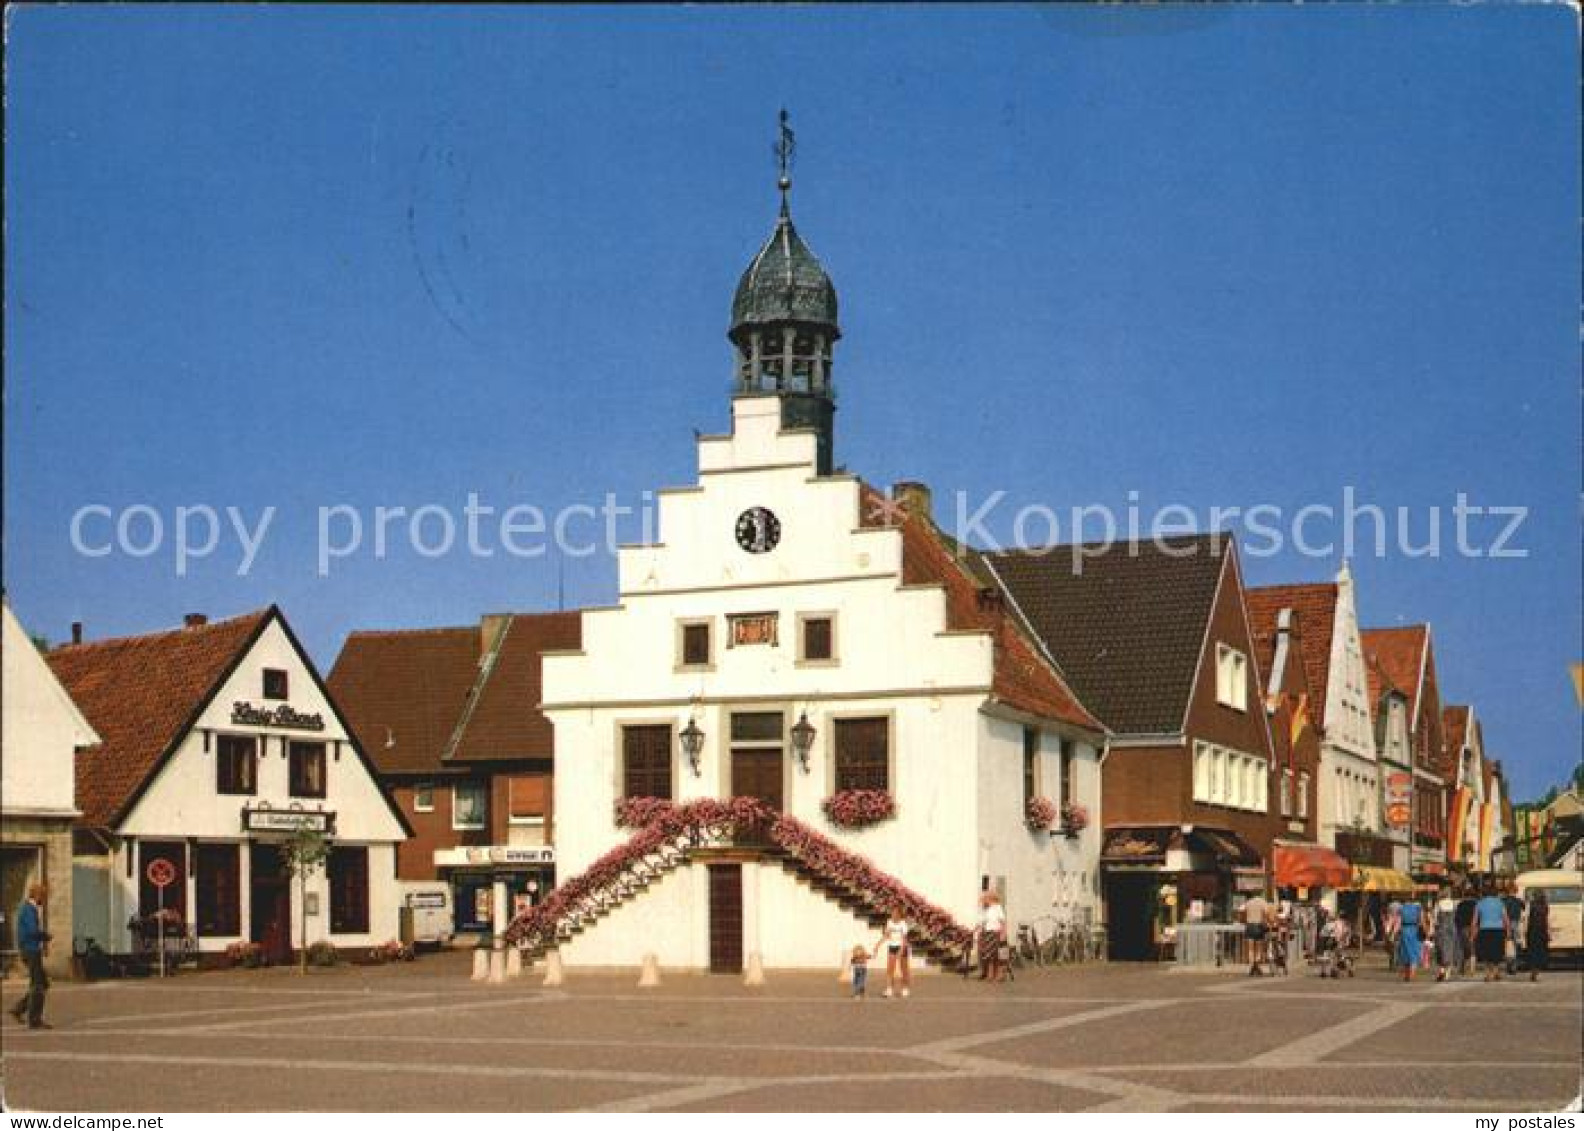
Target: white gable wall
(42, 730)
(894, 658)
(182, 803)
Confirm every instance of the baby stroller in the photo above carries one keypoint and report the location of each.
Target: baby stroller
(1276, 946)
(1334, 958)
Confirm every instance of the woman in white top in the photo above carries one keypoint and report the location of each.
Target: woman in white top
(992, 936)
(895, 939)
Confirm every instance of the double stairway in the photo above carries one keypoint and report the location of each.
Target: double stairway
(673, 835)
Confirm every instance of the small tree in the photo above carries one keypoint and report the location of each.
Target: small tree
(304, 854)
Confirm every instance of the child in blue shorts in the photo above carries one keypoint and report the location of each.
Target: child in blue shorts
(860, 972)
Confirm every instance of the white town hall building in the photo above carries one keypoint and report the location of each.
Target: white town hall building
(797, 637)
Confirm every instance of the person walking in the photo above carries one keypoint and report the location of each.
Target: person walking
(1391, 926)
(895, 937)
(1492, 927)
(1410, 938)
(992, 936)
(1448, 941)
(1256, 912)
(1537, 934)
(32, 940)
(1466, 929)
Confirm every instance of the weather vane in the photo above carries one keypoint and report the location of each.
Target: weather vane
(784, 149)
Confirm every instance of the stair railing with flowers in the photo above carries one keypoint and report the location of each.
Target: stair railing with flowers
(673, 832)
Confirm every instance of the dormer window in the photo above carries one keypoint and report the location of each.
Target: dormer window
(1231, 678)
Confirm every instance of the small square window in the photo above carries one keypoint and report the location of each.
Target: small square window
(819, 639)
(423, 798)
(275, 684)
(696, 645)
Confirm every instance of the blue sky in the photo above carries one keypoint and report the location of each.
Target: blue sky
(303, 257)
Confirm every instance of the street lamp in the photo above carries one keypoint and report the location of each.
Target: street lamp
(803, 739)
(693, 743)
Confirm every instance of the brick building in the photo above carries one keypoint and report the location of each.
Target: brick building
(451, 718)
(1155, 640)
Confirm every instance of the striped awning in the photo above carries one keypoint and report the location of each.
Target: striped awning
(1309, 866)
(1369, 878)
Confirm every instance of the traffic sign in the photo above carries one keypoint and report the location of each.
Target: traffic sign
(161, 872)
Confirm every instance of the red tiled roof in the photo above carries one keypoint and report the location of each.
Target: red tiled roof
(1400, 653)
(421, 698)
(507, 722)
(1022, 678)
(140, 693)
(1315, 605)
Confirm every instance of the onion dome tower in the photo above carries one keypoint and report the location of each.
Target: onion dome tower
(784, 323)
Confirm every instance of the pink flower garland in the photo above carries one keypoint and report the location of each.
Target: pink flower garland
(680, 825)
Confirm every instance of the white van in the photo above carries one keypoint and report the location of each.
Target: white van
(1565, 893)
(426, 914)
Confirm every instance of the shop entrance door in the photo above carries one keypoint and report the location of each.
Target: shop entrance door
(1130, 916)
(726, 919)
(269, 893)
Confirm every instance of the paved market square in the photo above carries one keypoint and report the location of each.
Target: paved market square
(423, 1037)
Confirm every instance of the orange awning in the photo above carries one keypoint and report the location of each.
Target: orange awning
(1309, 866)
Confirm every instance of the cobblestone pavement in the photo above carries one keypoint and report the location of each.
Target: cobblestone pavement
(1111, 1038)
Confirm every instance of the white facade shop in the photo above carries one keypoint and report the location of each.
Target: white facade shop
(266, 754)
(770, 604)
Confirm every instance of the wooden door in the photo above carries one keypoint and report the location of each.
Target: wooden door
(269, 891)
(757, 773)
(725, 918)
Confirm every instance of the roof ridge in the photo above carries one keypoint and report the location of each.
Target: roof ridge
(486, 668)
(183, 631)
(1222, 536)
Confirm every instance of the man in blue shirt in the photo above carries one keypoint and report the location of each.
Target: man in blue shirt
(31, 940)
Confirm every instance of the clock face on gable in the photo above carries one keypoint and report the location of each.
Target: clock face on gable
(758, 530)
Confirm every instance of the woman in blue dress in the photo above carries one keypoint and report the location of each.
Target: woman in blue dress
(1410, 938)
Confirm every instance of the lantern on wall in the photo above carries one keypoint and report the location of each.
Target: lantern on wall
(692, 743)
(803, 739)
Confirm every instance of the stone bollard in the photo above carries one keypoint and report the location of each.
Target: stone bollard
(480, 964)
(754, 975)
(514, 962)
(554, 975)
(497, 965)
(651, 972)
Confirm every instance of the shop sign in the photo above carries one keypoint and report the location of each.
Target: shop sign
(265, 820)
(283, 716)
(486, 855)
(752, 628)
(1399, 800)
(427, 900)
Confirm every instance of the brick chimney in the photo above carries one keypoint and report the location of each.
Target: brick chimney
(195, 620)
(491, 625)
(914, 497)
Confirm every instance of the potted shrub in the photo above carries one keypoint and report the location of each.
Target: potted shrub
(1075, 818)
(247, 954)
(321, 953)
(858, 808)
(1040, 814)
